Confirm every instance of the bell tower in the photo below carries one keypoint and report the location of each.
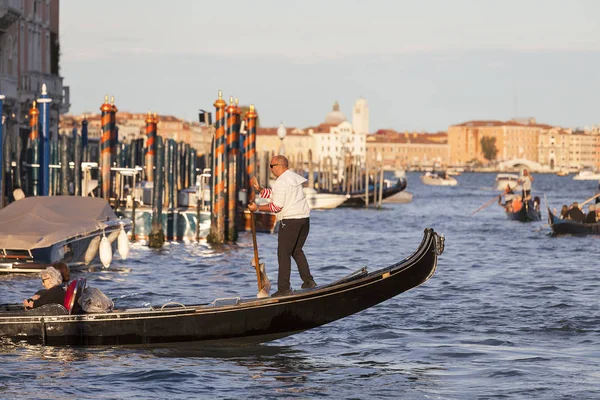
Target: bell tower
(360, 116)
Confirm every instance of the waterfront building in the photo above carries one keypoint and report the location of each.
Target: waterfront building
(567, 149)
(408, 150)
(30, 57)
(337, 138)
(515, 139)
(297, 142)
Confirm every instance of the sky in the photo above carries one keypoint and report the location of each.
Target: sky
(421, 65)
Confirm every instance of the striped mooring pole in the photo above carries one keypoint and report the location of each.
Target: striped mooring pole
(251, 117)
(2, 175)
(217, 226)
(44, 104)
(105, 154)
(233, 160)
(114, 140)
(34, 150)
(150, 147)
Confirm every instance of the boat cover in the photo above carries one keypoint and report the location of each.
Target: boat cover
(38, 222)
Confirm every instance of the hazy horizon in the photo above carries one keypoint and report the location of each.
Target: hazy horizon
(421, 67)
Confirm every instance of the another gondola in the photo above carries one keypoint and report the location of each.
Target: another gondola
(225, 321)
(561, 226)
(528, 213)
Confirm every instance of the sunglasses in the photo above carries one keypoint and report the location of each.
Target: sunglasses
(272, 165)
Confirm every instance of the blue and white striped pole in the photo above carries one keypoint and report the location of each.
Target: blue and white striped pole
(44, 104)
(1, 150)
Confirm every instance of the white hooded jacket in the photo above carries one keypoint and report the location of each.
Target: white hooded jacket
(289, 201)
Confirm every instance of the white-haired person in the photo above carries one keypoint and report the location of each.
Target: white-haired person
(54, 294)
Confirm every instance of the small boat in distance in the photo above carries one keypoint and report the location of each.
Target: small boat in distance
(562, 172)
(503, 179)
(435, 179)
(229, 321)
(587, 175)
(323, 201)
(36, 232)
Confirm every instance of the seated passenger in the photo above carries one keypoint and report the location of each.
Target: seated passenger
(517, 204)
(575, 213)
(65, 272)
(54, 294)
(563, 211)
(590, 218)
(536, 203)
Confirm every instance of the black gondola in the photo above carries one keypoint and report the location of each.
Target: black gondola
(567, 226)
(357, 198)
(530, 211)
(226, 321)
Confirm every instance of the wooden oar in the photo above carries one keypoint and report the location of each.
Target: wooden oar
(256, 259)
(262, 291)
(590, 199)
(484, 206)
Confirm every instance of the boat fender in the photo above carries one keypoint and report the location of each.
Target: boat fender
(92, 250)
(105, 252)
(113, 236)
(123, 244)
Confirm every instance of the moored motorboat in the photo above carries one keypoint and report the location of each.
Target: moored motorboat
(230, 321)
(323, 201)
(503, 180)
(38, 231)
(587, 175)
(434, 179)
(561, 226)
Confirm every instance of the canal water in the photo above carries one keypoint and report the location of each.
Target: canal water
(512, 312)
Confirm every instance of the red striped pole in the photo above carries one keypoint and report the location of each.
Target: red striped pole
(150, 147)
(217, 227)
(105, 155)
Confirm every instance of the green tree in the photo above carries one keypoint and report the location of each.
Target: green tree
(488, 147)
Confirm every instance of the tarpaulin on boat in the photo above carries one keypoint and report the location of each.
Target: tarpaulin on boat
(38, 222)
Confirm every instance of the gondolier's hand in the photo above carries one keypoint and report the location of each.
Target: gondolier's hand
(252, 207)
(254, 183)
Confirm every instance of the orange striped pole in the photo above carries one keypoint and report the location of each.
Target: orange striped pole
(233, 159)
(150, 147)
(105, 160)
(217, 226)
(251, 117)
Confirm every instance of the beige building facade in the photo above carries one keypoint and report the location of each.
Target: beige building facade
(408, 150)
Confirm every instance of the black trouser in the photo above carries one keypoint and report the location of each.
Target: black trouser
(291, 238)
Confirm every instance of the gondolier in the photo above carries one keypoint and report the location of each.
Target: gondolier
(526, 180)
(290, 205)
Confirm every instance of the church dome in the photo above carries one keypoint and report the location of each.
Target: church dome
(335, 116)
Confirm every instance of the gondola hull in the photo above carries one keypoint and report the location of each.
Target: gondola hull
(561, 226)
(527, 213)
(229, 321)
